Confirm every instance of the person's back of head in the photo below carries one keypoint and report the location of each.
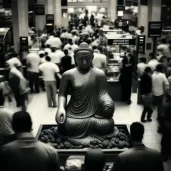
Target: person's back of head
(66, 52)
(70, 41)
(94, 161)
(48, 58)
(48, 46)
(53, 49)
(143, 60)
(137, 131)
(46, 53)
(41, 55)
(148, 70)
(152, 56)
(160, 68)
(21, 122)
(163, 41)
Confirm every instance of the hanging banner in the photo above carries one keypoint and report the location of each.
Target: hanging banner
(121, 41)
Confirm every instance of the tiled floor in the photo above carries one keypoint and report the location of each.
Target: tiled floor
(124, 114)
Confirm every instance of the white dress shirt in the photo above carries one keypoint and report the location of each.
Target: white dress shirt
(141, 68)
(159, 83)
(5, 121)
(49, 70)
(152, 64)
(33, 60)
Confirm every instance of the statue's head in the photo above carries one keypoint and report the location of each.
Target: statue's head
(83, 56)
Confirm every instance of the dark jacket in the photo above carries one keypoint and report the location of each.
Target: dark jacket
(139, 158)
(145, 84)
(28, 154)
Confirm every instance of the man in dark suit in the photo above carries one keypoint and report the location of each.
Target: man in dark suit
(26, 153)
(139, 157)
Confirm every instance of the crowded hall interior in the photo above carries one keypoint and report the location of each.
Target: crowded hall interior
(85, 85)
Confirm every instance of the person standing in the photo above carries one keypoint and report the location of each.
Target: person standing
(141, 66)
(146, 94)
(26, 153)
(139, 157)
(126, 78)
(50, 71)
(152, 62)
(6, 132)
(160, 85)
(99, 60)
(66, 62)
(33, 61)
(19, 87)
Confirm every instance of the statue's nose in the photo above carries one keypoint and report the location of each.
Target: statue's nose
(84, 62)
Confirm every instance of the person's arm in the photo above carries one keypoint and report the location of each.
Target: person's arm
(57, 72)
(166, 83)
(55, 164)
(62, 99)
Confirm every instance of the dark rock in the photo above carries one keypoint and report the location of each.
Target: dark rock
(41, 134)
(58, 141)
(52, 140)
(95, 142)
(110, 145)
(67, 145)
(105, 143)
(63, 138)
(117, 141)
(113, 143)
(121, 145)
(62, 146)
(100, 146)
(96, 146)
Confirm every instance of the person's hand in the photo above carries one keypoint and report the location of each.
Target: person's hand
(61, 116)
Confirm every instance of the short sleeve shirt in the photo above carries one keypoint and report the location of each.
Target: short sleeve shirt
(49, 70)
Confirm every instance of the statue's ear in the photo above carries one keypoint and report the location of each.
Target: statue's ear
(75, 61)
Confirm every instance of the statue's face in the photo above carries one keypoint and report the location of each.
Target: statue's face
(84, 60)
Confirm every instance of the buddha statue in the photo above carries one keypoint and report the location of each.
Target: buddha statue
(90, 110)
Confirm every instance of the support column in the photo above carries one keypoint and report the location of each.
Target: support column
(57, 13)
(143, 21)
(154, 10)
(112, 10)
(49, 6)
(154, 14)
(20, 21)
(40, 19)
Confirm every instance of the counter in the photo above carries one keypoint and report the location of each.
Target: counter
(114, 89)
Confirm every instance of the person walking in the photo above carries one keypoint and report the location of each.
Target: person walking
(19, 87)
(146, 94)
(66, 62)
(33, 61)
(139, 157)
(6, 132)
(160, 85)
(50, 72)
(26, 153)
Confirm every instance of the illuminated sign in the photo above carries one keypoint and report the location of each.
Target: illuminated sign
(121, 41)
(155, 29)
